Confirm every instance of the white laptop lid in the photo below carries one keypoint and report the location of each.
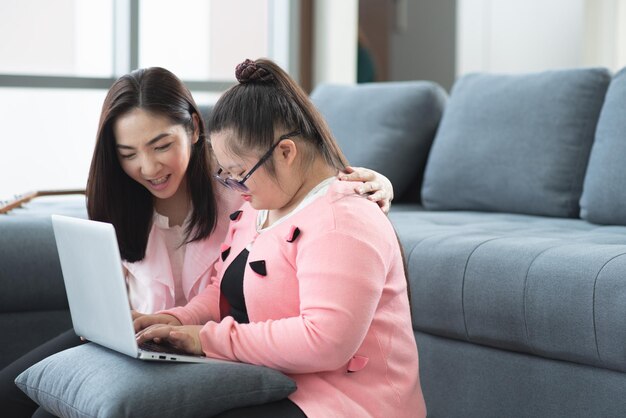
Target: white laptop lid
(94, 282)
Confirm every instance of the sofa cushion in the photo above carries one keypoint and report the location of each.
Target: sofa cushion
(515, 143)
(604, 195)
(387, 127)
(467, 380)
(33, 303)
(552, 287)
(90, 381)
(28, 249)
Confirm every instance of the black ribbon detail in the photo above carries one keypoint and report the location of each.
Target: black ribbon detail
(235, 215)
(294, 235)
(258, 267)
(225, 253)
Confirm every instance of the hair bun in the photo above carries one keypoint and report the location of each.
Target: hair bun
(249, 72)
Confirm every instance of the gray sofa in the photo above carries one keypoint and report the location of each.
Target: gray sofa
(33, 305)
(510, 211)
(517, 252)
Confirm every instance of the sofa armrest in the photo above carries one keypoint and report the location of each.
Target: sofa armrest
(30, 273)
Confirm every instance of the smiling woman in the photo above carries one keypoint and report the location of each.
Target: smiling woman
(156, 154)
(150, 177)
(151, 151)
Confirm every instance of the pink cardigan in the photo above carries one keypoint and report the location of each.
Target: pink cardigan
(326, 296)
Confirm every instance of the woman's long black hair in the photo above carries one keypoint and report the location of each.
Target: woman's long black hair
(114, 197)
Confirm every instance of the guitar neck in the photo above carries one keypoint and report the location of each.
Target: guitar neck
(19, 200)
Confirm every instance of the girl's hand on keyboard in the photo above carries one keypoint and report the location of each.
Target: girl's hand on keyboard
(186, 337)
(142, 322)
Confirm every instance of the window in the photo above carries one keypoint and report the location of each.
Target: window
(72, 38)
(53, 80)
(49, 140)
(202, 40)
(503, 37)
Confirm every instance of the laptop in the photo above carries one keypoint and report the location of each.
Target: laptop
(96, 290)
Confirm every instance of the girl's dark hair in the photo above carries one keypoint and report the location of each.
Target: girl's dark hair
(266, 99)
(112, 196)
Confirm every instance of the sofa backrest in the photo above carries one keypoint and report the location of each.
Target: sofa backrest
(515, 143)
(385, 126)
(604, 192)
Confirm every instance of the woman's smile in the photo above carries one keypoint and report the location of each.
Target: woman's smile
(160, 183)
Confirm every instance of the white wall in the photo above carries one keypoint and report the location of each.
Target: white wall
(605, 33)
(516, 36)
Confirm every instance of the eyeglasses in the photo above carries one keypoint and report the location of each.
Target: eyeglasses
(238, 185)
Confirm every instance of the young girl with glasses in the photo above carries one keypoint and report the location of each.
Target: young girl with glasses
(152, 177)
(311, 279)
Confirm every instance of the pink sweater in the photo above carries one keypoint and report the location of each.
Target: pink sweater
(151, 280)
(331, 310)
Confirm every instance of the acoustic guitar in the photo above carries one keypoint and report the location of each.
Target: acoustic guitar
(18, 200)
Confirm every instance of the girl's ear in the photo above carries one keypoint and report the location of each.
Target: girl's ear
(287, 151)
(196, 128)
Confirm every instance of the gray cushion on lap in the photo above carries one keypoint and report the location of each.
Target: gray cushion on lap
(387, 127)
(92, 381)
(604, 196)
(515, 143)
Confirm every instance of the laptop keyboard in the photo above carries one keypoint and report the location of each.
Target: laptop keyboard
(164, 347)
